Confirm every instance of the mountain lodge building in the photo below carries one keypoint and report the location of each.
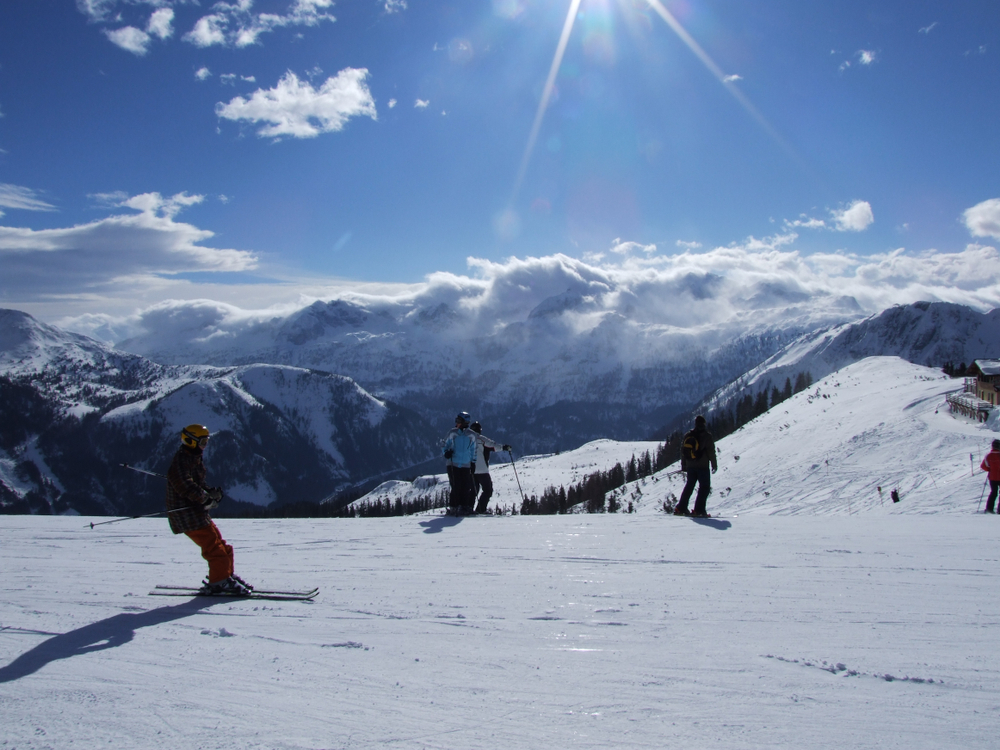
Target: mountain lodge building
(979, 396)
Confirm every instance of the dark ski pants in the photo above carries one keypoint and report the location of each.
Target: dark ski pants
(463, 491)
(215, 550)
(703, 478)
(484, 483)
(994, 490)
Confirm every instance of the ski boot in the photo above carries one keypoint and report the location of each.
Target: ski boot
(231, 586)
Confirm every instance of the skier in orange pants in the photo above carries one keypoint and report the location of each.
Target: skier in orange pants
(189, 499)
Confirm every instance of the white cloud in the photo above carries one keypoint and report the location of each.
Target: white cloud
(202, 74)
(805, 222)
(160, 23)
(855, 218)
(394, 6)
(732, 78)
(983, 219)
(296, 109)
(392, 103)
(21, 198)
(928, 29)
(684, 245)
(866, 56)
(422, 103)
(130, 39)
(236, 25)
(122, 252)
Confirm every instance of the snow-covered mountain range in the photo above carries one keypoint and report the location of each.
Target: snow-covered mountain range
(305, 424)
(552, 376)
(73, 409)
(925, 333)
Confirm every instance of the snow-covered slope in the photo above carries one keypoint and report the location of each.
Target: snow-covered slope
(72, 409)
(881, 422)
(924, 333)
(626, 631)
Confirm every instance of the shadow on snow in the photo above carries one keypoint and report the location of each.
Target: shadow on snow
(110, 633)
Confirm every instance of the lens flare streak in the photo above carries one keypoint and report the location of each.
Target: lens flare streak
(550, 83)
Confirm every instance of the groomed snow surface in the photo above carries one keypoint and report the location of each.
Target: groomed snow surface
(580, 631)
(812, 614)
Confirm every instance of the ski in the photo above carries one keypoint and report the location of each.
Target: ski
(252, 595)
(262, 594)
(304, 592)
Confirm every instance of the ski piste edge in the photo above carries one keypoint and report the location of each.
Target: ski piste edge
(263, 594)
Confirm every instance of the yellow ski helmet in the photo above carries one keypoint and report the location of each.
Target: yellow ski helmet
(194, 436)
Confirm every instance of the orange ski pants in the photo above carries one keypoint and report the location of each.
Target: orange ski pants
(215, 550)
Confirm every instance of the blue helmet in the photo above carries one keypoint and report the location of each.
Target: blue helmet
(464, 417)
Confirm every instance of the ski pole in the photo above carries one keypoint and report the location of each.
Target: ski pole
(132, 518)
(511, 454)
(143, 471)
(981, 494)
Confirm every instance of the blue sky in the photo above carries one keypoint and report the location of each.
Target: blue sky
(270, 151)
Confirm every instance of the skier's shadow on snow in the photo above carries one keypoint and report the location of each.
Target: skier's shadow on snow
(110, 633)
(716, 523)
(439, 523)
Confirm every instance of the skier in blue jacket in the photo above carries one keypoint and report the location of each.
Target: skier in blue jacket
(460, 452)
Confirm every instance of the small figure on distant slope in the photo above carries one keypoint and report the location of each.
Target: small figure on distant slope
(190, 499)
(991, 464)
(697, 454)
(481, 474)
(460, 452)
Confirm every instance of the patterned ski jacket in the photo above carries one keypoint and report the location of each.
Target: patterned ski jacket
(991, 464)
(186, 491)
(462, 444)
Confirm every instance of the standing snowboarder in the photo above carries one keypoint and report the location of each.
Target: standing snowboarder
(481, 474)
(460, 451)
(190, 499)
(991, 464)
(697, 454)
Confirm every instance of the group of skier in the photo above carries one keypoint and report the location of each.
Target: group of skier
(467, 460)
(467, 456)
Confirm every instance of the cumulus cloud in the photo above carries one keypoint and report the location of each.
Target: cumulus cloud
(202, 74)
(119, 252)
(855, 218)
(296, 109)
(160, 23)
(983, 219)
(760, 281)
(130, 39)
(422, 103)
(392, 103)
(237, 25)
(21, 198)
(732, 78)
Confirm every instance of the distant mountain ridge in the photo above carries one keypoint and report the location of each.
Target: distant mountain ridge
(73, 409)
(566, 372)
(924, 333)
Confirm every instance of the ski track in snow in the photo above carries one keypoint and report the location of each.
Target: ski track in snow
(636, 631)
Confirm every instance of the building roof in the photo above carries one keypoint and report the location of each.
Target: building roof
(988, 366)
